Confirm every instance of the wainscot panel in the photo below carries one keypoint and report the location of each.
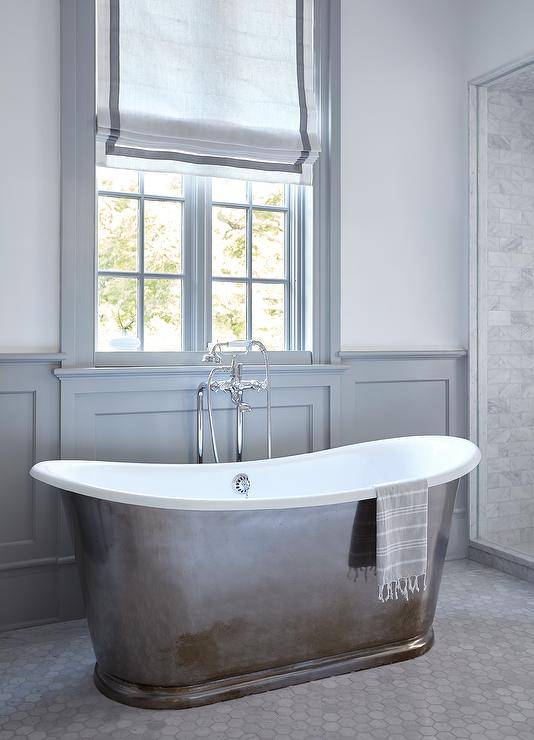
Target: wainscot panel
(33, 588)
(402, 393)
(149, 415)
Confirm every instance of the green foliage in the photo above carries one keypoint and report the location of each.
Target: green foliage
(118, 250)
(117, 233)
(228, 311)
(117, 300)
(229, 246)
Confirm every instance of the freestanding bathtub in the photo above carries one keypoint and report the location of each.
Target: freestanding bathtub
(196, 592)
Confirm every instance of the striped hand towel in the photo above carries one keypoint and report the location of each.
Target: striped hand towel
(401, 538)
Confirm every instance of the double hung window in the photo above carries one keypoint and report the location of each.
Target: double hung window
(149, 276)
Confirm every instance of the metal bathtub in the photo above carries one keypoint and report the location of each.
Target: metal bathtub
(188, 606)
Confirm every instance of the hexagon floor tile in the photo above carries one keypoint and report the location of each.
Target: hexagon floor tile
(477, 682)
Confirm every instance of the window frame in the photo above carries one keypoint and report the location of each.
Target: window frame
(293, 313)
(141, 274)
(197, 277)
(318, 262)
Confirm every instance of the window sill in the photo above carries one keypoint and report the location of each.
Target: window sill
(190, 359)
(191, 370)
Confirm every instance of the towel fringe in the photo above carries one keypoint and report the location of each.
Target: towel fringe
(365, 571)
(404, 586)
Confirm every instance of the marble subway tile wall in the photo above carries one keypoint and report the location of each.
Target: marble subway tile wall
(510, 290)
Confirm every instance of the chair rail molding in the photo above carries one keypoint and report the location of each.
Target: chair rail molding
(35, 358)
(403, 354)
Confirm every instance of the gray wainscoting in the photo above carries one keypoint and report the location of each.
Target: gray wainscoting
(148, 414)
(396, 394)
(35, 584)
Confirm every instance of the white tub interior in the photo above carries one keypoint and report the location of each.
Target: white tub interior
(331, 476)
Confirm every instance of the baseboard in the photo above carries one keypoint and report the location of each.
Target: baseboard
(39, 594)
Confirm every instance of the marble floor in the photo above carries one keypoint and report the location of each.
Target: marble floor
(477, 682)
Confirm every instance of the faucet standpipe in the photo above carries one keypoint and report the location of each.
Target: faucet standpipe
(234, 386)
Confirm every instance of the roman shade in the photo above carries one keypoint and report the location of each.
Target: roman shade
(212, 87)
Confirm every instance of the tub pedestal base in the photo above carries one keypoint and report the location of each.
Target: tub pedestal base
(185, 697)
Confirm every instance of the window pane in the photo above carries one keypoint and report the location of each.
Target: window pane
(163, 183)
(163, 315)
(117, 313)
(163, 236)
(268, 315)
(117, 233)
(268, 194)
(229, 241)
(228, 311)
(228, 191)
(268, 250)
(121, 181)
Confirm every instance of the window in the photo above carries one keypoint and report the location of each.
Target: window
(149, 276)
(140, 301)
(140, 271)
(249, 262)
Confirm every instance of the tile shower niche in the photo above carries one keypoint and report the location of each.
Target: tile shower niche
(502, 311)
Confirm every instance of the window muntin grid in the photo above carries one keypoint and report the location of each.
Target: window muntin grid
(277, 291)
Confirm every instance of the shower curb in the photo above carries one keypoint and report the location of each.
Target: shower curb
(505, 559)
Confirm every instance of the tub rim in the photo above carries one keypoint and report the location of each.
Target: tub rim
(56, 473)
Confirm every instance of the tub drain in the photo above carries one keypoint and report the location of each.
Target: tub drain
(241, 484)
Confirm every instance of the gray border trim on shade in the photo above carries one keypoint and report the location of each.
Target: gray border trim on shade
(114, 73)
(301, 88)
(166, 155)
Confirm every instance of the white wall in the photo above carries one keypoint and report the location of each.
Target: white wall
(29, 175)
(500, 32)
(404, 203)
(405, 67)
(404, 174)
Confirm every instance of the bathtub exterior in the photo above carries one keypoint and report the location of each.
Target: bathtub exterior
(190, 607)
